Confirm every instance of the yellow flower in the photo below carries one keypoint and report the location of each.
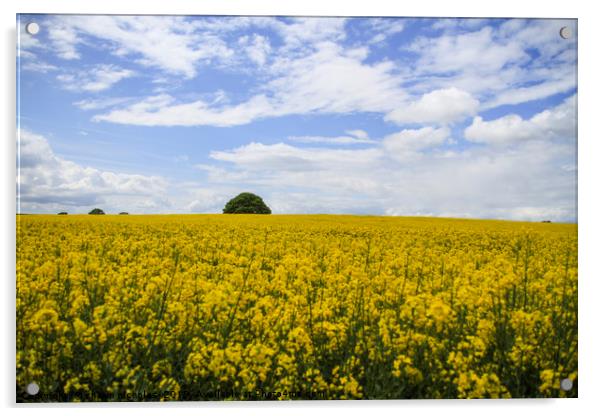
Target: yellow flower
(342, 306)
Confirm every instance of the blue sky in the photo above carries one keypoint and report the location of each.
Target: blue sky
(381, 116)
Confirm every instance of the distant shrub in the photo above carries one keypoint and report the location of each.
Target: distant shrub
(97, 211)
(124, 213)
(62, 213)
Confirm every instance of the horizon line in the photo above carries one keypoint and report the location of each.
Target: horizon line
(310, 214)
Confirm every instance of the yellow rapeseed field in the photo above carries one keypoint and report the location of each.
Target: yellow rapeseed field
(214, 307)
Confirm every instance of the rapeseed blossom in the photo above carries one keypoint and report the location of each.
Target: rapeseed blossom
(279, 307)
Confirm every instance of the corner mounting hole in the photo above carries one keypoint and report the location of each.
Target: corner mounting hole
(32, 389)
(565, 32)
(566, 384)
(32, 28)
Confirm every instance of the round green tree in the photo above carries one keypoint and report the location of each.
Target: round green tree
(96, 211)
(246, 203)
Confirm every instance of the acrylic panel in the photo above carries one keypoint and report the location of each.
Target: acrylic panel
(295, 208)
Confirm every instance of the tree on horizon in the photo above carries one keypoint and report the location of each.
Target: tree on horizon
(246, 203)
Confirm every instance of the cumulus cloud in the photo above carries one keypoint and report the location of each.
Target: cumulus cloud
(529, 184)
(440, 106)
(323, 82)
(48, 180)
(207, 200)
(312, 70)
(558, 122)
(478, 50)
(530, 181)
(525, 168)
(327, 81)
(409, 173)
(521, 60)
(406, 143)
(180, 46)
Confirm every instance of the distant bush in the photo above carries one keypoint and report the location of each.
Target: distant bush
(124, 213)
(62, 213)
(246, 203)
(97, 211)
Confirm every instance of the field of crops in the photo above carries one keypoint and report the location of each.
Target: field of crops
(214, 307)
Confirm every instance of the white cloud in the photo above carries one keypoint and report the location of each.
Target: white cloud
(500, 131)
(47, 181)
(351, 139)
(207, 200)
(26, 41)
(305, 32)
(522, 60)
(410, 173)
(540, 34)
(29, 60)
(537, 213)
(313, 73)
(99, 78)
(407, 142)
(558, 122)
(310, 71)
(165, 42)
(161, 110)
(257, 47)
(529, 181)
(478, 51)
(384, 27)
(462, 23)
(440, 106)
(308, 66)
(38, 66)
(283, 157)
(531, 93)
(100, 103)
(325, 81)
(360, 134)
(63, 38)
(297, 34)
